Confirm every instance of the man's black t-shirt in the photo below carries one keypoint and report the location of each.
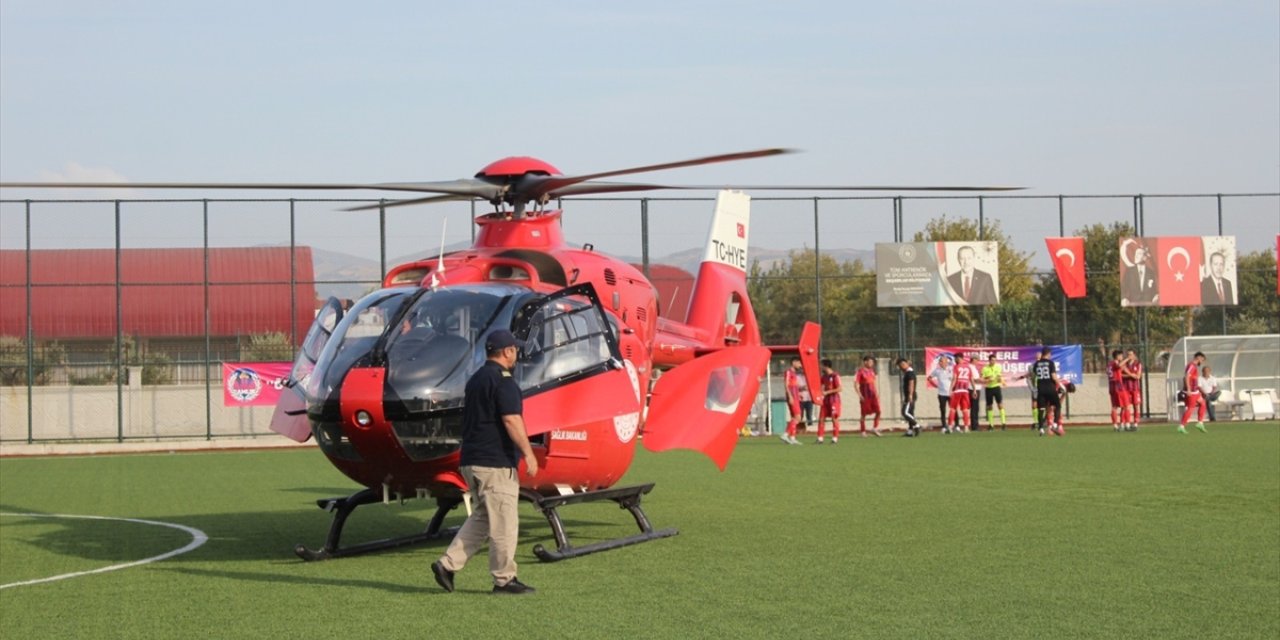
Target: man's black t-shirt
(1043, 371)
(909, 384)
(491, 393)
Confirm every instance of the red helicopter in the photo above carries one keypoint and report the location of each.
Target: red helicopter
(380, 385)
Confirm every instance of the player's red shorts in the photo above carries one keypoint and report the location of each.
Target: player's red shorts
(960, 400)
(830, 409)
(1135, 395)
(794, 407)
(1120, 397)
(870, 404)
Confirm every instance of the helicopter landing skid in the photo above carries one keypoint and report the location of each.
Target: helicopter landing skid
(627, 498)
(342, 508)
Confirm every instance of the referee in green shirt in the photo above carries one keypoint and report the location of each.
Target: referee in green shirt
(993, 376)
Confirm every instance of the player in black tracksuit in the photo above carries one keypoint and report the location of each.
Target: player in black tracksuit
(909, 397)
(1045, 373)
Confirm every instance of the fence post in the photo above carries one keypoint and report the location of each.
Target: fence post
(817, 270)
(31, 334)
(208, 345)
(120, 368)
(644, 236)
(1062, 231)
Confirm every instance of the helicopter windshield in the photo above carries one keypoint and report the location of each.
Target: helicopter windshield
(438, 343)
(431, 342)
(425, 339)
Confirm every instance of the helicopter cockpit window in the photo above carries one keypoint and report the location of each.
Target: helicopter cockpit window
(567, 337)
(352, 339)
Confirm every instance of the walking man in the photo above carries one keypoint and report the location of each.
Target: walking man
(941, 376)
(1191, 391)
(493, 442)
(909, 397)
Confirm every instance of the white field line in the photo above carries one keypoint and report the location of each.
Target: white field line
(198, 538)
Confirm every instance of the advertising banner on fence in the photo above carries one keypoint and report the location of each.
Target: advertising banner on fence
(1014, 361)
(1178, 271)
(253, 384)
(937, 274)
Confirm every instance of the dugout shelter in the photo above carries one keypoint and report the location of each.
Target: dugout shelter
(1247, 368)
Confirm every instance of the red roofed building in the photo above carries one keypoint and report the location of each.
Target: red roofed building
(161, 293)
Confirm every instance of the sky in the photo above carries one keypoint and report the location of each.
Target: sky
(1073, 97)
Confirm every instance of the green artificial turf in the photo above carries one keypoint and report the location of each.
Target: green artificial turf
(992, 535)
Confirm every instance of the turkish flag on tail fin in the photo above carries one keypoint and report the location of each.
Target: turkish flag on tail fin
(1179, 268)
(1068, 262)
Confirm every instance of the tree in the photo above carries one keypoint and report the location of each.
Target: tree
(1258, 310)
(268, 347)
(1098, 318)
(13, 361)
(783, 297)
(962, 325)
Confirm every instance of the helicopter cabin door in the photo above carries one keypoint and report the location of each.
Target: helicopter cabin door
(580, 395)
(290, 416)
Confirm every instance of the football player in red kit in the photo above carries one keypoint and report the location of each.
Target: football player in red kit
(1191, 391)
(868, 395)
(830, 407)
(1119, 393)
(1133, 387)
(961, 386)
(791, 386)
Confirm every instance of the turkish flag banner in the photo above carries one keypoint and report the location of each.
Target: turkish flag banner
(1068, 262)
(1178, 260)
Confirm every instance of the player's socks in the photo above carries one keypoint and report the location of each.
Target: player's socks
(1003, 422)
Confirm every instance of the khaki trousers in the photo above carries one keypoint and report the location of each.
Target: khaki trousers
(495, 517)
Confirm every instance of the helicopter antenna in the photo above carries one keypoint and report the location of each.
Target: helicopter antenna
(437, 276)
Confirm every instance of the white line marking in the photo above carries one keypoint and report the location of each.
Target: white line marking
(197, 538)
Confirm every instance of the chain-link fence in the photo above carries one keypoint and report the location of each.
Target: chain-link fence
(124, 383)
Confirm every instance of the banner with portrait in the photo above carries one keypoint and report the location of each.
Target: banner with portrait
(1014, 362)
(253, 384)
(937, 274)
(1178, 271)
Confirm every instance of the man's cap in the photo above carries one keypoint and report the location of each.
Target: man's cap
(501, 339)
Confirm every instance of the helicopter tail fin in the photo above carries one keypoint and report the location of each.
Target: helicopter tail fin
(719, 306)
(806, 350)
(701, 404)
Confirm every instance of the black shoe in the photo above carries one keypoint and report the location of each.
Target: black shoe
(515, 587)
(444, 577)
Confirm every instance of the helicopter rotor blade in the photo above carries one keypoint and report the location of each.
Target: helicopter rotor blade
(404, 203)
(588, 188)
(466, 187)
(545, 185)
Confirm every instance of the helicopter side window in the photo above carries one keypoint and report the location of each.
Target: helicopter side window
(567, 337)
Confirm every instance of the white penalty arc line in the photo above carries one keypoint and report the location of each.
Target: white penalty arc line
(198, 538)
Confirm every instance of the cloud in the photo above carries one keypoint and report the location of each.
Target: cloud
(76, 172)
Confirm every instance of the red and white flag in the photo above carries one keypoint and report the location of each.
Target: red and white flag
(1068, 262)
(1178, 263)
